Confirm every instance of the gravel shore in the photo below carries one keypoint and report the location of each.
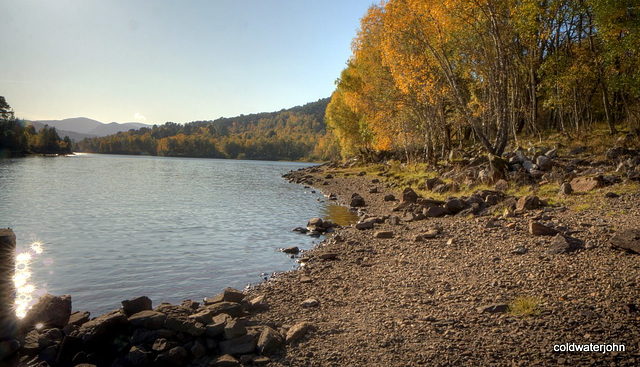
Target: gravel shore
(437, 291)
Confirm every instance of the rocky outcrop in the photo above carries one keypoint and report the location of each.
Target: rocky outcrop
(214, 333)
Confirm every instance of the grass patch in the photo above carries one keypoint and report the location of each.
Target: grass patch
(525, 306)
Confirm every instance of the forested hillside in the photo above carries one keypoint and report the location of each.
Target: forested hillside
(426, 75)
(18, 138)
(298, 133)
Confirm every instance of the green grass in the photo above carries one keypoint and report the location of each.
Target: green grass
(525, 306)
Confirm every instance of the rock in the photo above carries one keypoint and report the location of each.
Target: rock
(138, 357)
(520, 250)
(291, 250)
(432, 233)
(543, 162)
(258, 304)
(242, 345)
(389, 197)
(611, 195)
(79, 317)
(297, 332)
(174, 310)
(562, 245)
(136, 305)
(232, 295)
(495, 308)
(226, 360)
(492, 200)
(453, 206)
(160, 345)
(216, 327)
(357, 201)
(627, 239)
(310, 302)
(373, 190)
(151, 320)
(230, 308)
(617, 152)
(314, 223)
(103, 327)
(198, 349)
(8, 348)
(269, 340)
(565, 189)
(48, 355)
(584, 184)
(444, 188)
(366, 224)
(261, 360)
(144, 336)
(499, 168)
(538, 229)
(175, 356)
(235, 329)
(430, 183)
(184, 325)
(31, 344)
(204, 316)
(528, 202)
(383, 234)
(501, 185)
(300, 230)
(529, 166)
(51, 311)
(434, 211)
(328, 256)
(409, 196)
(190, 304)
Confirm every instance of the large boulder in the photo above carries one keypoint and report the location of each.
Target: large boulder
(297, 332)
(454, 206)
(627, 239)
(269, 340)
(409, 196)
(135, 305)
(528, 202)
(148, 319)
(539, 229)
(430, 183)
(584, 184)
(102, 328)
(50, 311)
(564, 244)
(357, 200)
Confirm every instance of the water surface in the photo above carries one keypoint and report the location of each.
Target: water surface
(116, 227)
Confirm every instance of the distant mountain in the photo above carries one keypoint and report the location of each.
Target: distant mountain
(78, 128)
(80, 125)
(75, 136)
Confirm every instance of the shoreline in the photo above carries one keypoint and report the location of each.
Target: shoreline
(411, 291)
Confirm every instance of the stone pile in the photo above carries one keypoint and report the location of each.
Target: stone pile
(414, 207)
(216, 332)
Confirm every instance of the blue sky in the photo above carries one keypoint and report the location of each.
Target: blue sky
(158, 60)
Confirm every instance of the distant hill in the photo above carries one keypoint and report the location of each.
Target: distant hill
(75, 136)
(78, 128)
(297, 133)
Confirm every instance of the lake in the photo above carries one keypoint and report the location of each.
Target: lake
(117, 227)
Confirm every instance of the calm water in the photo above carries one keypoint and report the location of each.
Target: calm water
(117, 227)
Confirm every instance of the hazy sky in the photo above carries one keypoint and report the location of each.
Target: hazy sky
(171, 60)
